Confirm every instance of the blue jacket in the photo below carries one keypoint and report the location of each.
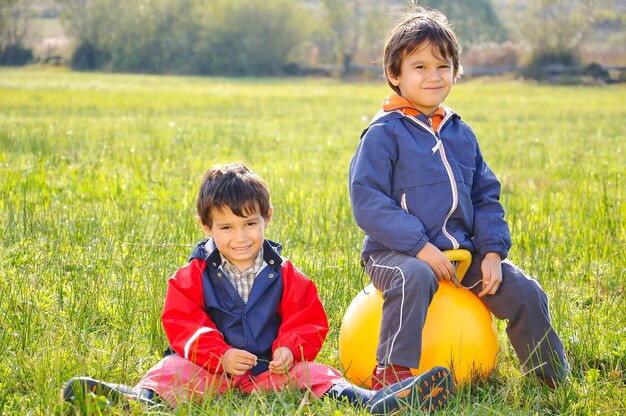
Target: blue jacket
(253, 325)
(410, 185)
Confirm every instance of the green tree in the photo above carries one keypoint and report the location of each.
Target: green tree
(356, 30)
(344, 20)
(91, 23)
(555, 29)
(154, 36)
(474, 21)
(240, 37)
(15, 22)
(233, 37)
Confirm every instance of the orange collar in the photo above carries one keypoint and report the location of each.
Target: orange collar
(397, 102)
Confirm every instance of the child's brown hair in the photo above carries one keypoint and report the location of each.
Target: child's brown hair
(235, 186)
(418, 28)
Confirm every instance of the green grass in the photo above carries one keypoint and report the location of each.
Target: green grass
(98, 175)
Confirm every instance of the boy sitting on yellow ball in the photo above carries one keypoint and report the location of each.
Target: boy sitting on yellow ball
(419, 185)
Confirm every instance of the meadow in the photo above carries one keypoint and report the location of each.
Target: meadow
(98, 175)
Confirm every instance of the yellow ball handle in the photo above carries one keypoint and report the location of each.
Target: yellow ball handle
(463, 258)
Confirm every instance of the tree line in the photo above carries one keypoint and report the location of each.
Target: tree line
(276, 37)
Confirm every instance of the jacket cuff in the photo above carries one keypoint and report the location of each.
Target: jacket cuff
(214, 363)
(494, 248)
(418, 247)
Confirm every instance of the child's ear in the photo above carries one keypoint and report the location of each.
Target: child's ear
(394, 79)
(270, 211)
(206, 229)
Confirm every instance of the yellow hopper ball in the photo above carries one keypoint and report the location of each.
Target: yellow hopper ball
(459, 332)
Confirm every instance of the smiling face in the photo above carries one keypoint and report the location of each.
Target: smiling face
(239, 239)
(425, 79)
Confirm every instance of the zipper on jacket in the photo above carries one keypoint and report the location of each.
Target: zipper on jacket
(455, 191)
(446, 164)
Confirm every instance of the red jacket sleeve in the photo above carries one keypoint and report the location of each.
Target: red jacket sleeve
(191, 332)
(304, 323)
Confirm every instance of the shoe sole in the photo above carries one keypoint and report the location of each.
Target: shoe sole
(84, 386)
(429, 391)
(114, 394)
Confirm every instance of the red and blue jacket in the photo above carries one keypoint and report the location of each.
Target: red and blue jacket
(204, 315)
(415, 179)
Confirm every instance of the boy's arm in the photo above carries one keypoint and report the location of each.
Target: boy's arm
(304, 323)
(491, 231)
(189, 329)
(374, 209)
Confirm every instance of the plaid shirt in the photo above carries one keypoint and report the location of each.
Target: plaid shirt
(243, 281)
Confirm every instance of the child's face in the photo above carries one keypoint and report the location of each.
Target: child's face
(239, 239)
(425, 80)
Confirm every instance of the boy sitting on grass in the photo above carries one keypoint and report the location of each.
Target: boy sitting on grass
(240, 316)
(419, 185)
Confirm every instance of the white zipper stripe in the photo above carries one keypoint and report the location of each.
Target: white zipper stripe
(439, 146)
(455, 198)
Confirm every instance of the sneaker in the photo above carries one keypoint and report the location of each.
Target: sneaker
(428, 392)
(79, 388)
(389, 375)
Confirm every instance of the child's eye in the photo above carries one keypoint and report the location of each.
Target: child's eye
(445, 66)
(252, 223)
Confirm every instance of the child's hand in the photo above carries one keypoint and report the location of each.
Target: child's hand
(491, 267)
(282, 362)
(438, 262)
(237, 362)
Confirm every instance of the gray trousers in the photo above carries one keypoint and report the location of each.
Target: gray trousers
(408, 286)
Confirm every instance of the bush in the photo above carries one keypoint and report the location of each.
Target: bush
(597, 72)
(565, 69)
(243, 38)
(566, 58)
(15, 55)
(87, 57)
(548, 65)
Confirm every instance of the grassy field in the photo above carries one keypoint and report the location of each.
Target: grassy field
(98, 175)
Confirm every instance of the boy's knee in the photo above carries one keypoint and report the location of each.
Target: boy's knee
(420, 277)
(525, 288)
(411, 274)
(532, 292)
